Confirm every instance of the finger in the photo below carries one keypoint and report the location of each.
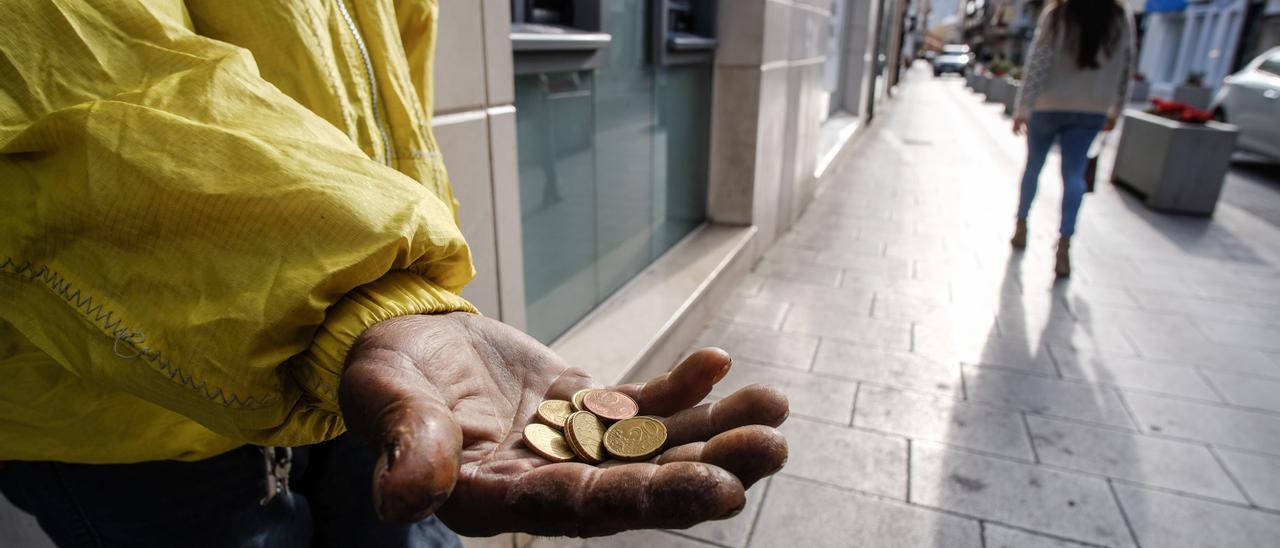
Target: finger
(753, 404)
(751, 453)
(574, 499)
(418, 442)
(682, 387)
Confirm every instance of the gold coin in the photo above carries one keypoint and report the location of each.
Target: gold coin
(547, 443)
(584, 433)
(637, 438)
(554, 412)
(577, 399)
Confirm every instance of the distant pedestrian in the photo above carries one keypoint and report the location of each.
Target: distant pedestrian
(1076, 83)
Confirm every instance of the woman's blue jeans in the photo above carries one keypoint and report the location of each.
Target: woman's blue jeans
(1074, 132)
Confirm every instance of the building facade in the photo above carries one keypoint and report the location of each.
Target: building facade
(622, 164)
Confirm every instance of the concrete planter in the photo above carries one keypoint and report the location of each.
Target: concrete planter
(1139, 91)
(1177, 167)
(1011, 98)
(981, 83)
(998, 89)
(1196, 96)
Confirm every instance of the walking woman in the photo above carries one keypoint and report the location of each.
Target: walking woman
(1077, 81)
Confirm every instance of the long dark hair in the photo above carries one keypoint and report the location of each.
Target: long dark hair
(1092, 27)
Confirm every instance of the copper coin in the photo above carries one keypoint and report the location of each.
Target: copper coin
(610, 405)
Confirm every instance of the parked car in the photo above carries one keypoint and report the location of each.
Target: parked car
(954, 58)
(1250, 100)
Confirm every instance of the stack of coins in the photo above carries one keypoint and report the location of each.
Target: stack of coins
(594, 426)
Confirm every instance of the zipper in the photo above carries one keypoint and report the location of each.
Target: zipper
(373, 82)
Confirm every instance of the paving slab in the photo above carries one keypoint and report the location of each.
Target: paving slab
(1005, 352)
(1019, 494)
(943, 420)
(631, 539)
(755, 310)
(818, 397)
(1046, 396)
(761, 345)
(849, 326)
(799, 513)
(732, 532)
(1180, 466)
(900, 369)
(820, 275)
(1247, 390)
(999, 536)
(845, 457)
(1259, 476)
(1207, 423)
(1135, 373)
(1166, 519)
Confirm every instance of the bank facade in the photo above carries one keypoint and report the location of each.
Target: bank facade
(621, 164)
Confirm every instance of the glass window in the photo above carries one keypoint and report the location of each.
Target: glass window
(613, 170)
(1271, 65)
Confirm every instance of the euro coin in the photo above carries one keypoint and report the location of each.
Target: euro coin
(610, 405)
(547, 443)
(577, 399)
(636, 438)
(554, 412)
(585, 435)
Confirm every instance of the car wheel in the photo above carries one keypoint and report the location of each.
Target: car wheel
(1220, 115)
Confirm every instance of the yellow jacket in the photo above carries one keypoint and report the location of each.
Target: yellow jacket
(202, 205)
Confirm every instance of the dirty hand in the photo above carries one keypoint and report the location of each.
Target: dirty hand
(1019, 126)
(445, 398)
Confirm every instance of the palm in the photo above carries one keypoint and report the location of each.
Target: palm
(447, 398)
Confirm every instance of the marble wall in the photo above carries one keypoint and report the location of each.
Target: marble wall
(474, 123)
(770, 102)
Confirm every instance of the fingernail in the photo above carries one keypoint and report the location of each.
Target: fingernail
(723, 371)
(735, 511)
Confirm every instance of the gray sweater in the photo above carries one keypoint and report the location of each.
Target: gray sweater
(1053, 82)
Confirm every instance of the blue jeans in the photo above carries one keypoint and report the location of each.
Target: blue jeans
(1074, 132)
(214, 502)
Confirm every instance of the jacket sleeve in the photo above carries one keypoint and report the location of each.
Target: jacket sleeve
(1039, 64)
(1127, 52)
(175, 227)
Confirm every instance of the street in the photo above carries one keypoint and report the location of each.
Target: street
(946, 391)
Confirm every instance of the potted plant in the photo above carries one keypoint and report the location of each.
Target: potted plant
(1193, 93)
(999, 88)
(1015, 86)
(1175, 156)
(1140, 90)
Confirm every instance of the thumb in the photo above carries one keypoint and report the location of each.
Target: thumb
(402, 416)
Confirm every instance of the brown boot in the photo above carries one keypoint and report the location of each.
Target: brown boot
(1019, 240)
(1063, 265)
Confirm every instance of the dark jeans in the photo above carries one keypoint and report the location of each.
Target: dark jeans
(214, 502)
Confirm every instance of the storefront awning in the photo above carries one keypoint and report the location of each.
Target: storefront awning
(1165, 6)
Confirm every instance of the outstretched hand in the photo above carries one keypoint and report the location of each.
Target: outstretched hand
(445, 398)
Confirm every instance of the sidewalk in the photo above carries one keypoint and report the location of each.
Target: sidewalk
(947, 392)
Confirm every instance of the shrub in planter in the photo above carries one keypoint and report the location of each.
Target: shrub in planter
(1140, 89)
(1175, 156)
(1193, 92)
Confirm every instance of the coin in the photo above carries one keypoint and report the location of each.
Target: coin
(584, 433)
(554, 412)
(637, 438)
(547, 443)
(610, 405)
(577, 399)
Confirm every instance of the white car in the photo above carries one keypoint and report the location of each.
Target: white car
(1250, 100)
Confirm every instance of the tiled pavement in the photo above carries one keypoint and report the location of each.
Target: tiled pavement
(948, 392)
